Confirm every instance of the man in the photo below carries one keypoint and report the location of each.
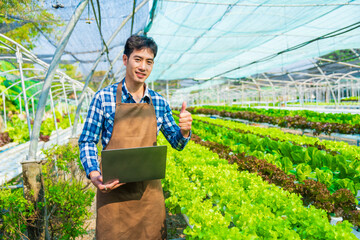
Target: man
(129, 114)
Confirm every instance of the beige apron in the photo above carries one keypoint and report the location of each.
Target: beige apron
(134, 210)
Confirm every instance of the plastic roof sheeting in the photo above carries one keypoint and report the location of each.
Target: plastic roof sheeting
(236, 39)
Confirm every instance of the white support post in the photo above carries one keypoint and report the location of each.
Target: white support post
(358, 91)
(242, 94)
(54, 116)
(4, 105)
(59, 106)
(33, 107)
(317, 94)
(20, 102)
(339, 89)
(76, 99)
(20, 62)
(110, 68)
(66, 101)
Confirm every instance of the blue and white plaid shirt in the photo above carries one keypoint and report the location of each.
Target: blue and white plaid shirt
(101, 118)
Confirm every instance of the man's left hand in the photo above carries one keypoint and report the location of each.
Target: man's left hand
(185, 121)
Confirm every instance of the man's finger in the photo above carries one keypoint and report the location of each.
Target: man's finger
(184, 124)
(183, 107)
(111, 185)
(186, 127)
(102, 187)
(117, 185)
(184, 114)
(185, 119)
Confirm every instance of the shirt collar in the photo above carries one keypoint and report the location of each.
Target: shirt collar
(126, 93)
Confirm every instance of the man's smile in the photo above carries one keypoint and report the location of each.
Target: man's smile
(140, 75)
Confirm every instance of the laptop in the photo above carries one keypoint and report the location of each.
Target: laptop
(134, 164)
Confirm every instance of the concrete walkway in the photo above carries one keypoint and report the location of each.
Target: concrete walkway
(12, 154)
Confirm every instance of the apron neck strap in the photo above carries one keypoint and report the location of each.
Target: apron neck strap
(119, 94)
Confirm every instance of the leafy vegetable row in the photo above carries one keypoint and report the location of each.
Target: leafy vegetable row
(283, 121)
(341, 203)
(312, 116)
(17, 129)
(350, 152)
(348, 163)
(313, 192)
(223, 203)
(335, 172)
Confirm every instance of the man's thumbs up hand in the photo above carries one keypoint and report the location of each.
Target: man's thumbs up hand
(185, 121)
(183, 107)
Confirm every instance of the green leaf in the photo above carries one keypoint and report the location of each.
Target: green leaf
(285, 149)
(303, 171)
(324, 176)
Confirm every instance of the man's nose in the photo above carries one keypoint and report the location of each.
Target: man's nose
(142, 65)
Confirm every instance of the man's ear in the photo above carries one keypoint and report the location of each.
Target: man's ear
(125, 59)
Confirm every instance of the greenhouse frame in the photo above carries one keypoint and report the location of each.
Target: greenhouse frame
(247, 66)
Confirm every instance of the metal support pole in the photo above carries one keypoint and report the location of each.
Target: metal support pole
(242, 94)
(76, 99)
(59, 107)
(110, 68)
(88, 78)
(54, 116)
(338, 92)
(341, 90)
(358, 92)
(49, 78)
(20, 102)
(20, 61)
(66, 101)
(328, 83)
(302, 95)
(317, 95)
(33, 107)
(87, 98)
(3, 97)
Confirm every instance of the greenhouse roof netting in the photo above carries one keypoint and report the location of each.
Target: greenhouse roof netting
(86, 43)
(208, 39)
(204, 39)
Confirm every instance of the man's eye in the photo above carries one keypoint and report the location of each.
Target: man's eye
(150, 62)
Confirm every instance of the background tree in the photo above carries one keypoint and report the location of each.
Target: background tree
(24, 21)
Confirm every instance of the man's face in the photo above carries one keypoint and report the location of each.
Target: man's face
(139, 65)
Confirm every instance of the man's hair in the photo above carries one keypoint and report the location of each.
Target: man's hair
(136, 42)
